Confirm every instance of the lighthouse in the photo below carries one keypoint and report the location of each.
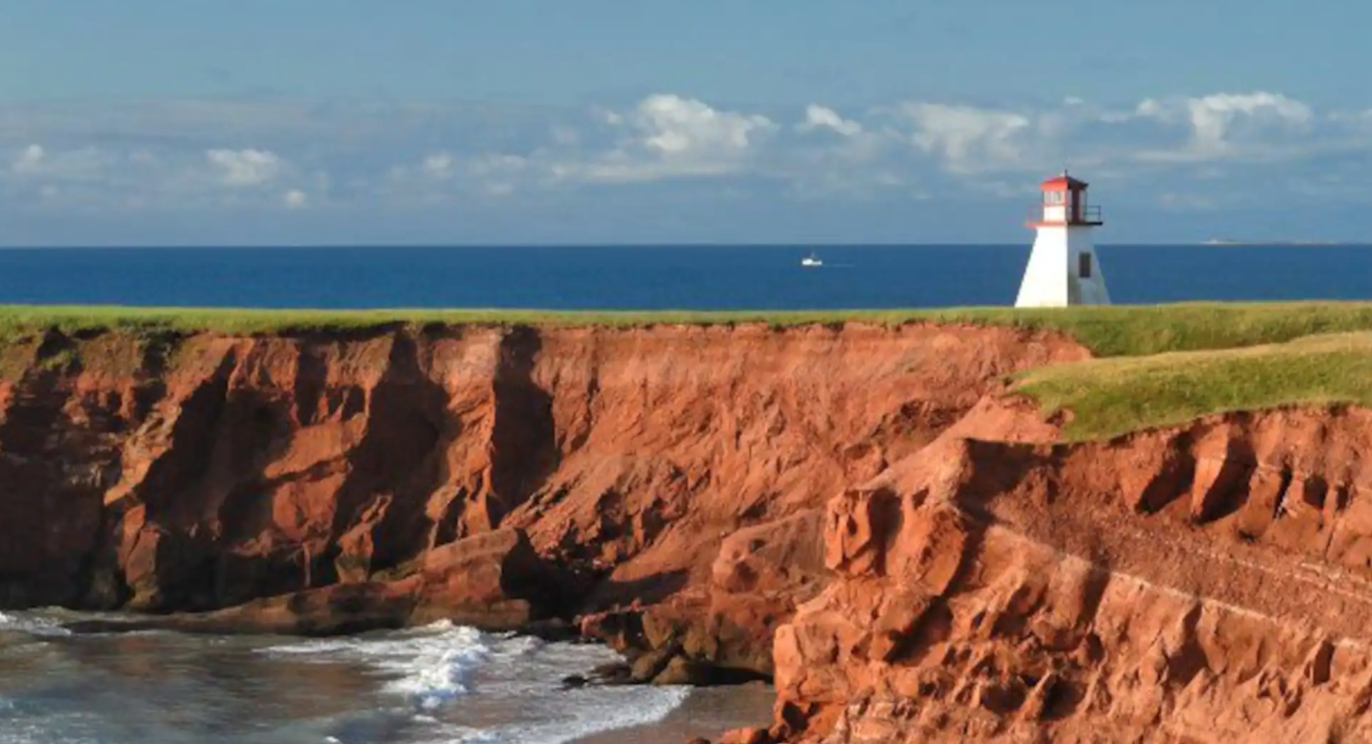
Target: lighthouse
(1063, 269)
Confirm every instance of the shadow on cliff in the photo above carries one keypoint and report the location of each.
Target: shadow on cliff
(167, 566)
(384, 515)
(647, 590)
(210, 467)
(524, 450)
(379, 521)
(37, 404)
(52, 520)
(61, 458)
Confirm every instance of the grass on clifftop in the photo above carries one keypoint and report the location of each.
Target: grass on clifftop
(1109, 397)
(1158, 365)
(1122, 330)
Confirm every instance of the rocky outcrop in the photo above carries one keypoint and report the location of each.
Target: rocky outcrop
(723, 632)
(1206, 584)
(493, 581)
(306, 475)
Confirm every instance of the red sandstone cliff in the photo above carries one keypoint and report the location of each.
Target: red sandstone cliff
(1206, 584)
(931, 565)
(201, 473)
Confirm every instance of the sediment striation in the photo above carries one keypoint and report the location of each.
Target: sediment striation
(1205, 584)
(866, 514)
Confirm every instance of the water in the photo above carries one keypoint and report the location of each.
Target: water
(658, 277)
(436, 684)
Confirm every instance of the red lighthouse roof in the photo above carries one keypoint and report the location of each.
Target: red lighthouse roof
(1063, 182)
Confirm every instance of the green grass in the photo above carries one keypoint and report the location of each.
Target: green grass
(24, 321)
(1110, 397)
(1107, 331)
(1157, 365)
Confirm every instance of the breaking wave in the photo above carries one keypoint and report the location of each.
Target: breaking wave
(507, 688)
(428, 666)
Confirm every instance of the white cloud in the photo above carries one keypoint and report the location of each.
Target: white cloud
(856, 160)
(439, 166)
(84, 164)
(64, 177)
(245, 167)
(669, 136)
(428, 154)
(112, 179)
(29, 160)
(1212, 116)
(1152, 108)
(677, 126)
(822, 117)
(444, 177)
(1227, 124)
(498, 165)
(968, 139)
(497, 175)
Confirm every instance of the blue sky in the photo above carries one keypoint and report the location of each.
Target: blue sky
(465, 121)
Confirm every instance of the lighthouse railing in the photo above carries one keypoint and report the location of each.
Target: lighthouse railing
(1090, 213)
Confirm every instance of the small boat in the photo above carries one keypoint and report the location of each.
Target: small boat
(811, 260)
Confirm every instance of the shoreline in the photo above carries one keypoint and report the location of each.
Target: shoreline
(707, 712)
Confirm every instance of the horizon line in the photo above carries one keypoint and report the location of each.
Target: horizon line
(1206, 243)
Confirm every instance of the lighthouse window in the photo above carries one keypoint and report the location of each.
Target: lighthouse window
(1052, 197)
(1084, 265)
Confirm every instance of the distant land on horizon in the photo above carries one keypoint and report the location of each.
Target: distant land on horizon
(1233, 241)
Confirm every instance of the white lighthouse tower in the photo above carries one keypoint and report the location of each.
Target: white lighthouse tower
(1062, 268)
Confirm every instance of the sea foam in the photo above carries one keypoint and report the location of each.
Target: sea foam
(33, 625)
(469, 687)
(428, 666)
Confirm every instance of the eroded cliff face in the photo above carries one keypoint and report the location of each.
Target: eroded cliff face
(174, 474)
(862, 512)
(1205, 584)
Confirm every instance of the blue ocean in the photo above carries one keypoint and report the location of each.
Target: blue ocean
(658, 277)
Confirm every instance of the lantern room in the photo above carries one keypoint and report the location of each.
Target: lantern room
(1064, 203)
